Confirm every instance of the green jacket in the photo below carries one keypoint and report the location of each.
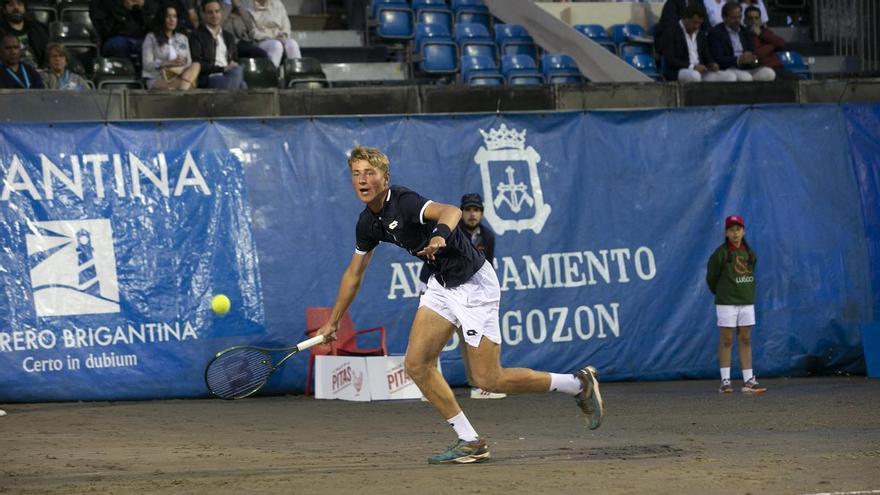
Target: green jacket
(731, 275)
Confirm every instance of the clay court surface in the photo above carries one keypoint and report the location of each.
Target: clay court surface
(806, 435)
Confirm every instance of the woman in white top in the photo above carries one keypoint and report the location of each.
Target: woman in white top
(166, 58)
(273, 29)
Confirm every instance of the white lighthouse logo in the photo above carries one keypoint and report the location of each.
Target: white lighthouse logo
(73, 267)
(515, 200)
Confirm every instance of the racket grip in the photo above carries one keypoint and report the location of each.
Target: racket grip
(316, 340)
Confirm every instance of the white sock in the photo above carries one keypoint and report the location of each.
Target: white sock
(463, 427)
(567, 384)
(747, 375)
(725, 373)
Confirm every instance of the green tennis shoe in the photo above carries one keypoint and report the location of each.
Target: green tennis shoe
(463, 452)
(590, 399)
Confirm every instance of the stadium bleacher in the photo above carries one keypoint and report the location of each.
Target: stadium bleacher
(424, 43)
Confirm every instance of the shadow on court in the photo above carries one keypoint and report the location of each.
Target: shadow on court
(806, 435)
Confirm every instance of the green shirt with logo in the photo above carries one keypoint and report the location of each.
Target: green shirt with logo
(730, 274)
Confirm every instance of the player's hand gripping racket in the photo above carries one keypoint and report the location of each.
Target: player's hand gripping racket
(241, 371)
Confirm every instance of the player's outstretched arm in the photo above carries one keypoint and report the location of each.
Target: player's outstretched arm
(447, 218)
(348, 289)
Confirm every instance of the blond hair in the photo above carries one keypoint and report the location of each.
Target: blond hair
(372, 155)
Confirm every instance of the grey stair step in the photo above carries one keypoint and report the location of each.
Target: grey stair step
(328, 39)
(812, 48)
(328, 55)
(313, 22)
(792, 34)
(833, 64)
(382, 71)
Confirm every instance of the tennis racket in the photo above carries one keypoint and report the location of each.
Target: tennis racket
(241, 371)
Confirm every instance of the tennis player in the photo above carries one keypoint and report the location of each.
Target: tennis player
(463, 291)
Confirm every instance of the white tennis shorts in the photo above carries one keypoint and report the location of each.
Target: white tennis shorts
(735, 316)
(473, 305)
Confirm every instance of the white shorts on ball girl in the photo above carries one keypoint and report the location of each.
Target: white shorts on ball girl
(473, 305)
(730, 316)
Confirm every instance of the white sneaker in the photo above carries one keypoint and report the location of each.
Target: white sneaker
(2, 412)
(478, 393)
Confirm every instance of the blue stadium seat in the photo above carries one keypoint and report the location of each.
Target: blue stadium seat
(375, 5)
(474, 39)
(439, 57)
(625, 32)
(468, 31)
(472, 11)
(436, 32)
(513, 39)
(630, 34)
(598, 34)
(520, 69)
(437, 52)
(560, 69)
(394, 22)
(794, 62)
(418, 5)
(477, 70)
(645, 64)
(634, 49)
(433, 12)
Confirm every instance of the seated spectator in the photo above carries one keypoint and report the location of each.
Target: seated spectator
(215, 50)
(767, 43)
(731, 47)
(759, 4)
(273, 29)
(673, 11)
(187, 15)
(15, 74)
(122, 25)
(166, 56)
(686, 51)
(239, 21)
(32, 35)
(58, 76)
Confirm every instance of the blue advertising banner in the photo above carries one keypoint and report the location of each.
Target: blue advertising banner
(115, 237)
(863, 125)
(112, 241)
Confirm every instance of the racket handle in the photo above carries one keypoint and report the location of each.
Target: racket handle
(316, 340)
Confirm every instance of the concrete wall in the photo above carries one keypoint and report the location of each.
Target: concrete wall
(59, 106)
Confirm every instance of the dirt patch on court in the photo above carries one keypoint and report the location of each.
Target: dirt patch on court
(804, 436)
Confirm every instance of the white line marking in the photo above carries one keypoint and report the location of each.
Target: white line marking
(857, 492)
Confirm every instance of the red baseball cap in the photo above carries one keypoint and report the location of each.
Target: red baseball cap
(734, 220)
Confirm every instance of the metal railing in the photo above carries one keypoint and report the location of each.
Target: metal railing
(853, 28)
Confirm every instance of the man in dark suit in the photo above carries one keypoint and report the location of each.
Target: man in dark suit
(215, 50)
(731, 46)
(686, 51)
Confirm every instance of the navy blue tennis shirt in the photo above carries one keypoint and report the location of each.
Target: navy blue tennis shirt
(402, 222)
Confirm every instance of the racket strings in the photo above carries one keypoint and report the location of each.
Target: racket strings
(239, 372)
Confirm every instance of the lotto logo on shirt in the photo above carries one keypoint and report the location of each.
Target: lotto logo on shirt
(73, 267)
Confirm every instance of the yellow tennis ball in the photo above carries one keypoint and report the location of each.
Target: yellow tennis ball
(220, 304)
